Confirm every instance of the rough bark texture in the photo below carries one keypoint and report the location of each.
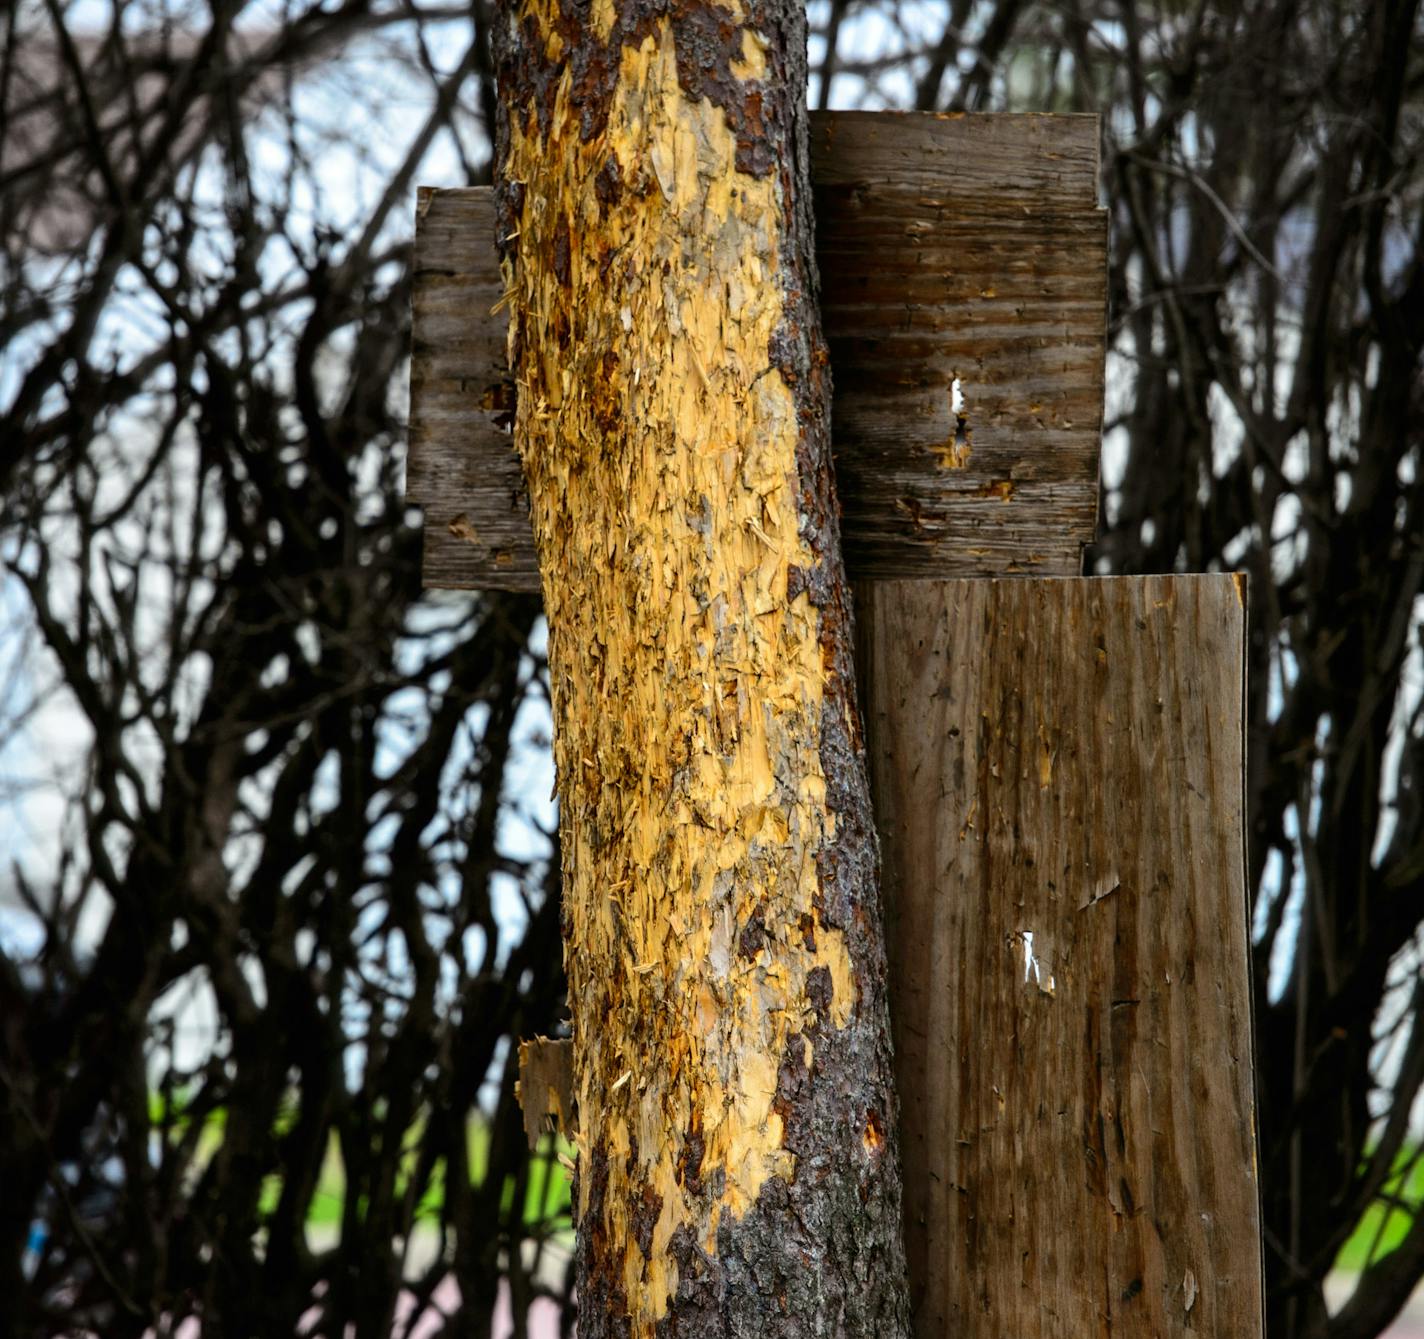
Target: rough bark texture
(737, 1175)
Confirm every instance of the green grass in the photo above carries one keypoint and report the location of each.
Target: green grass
(546, 1176)
(546, 1196)
(1383, 1226)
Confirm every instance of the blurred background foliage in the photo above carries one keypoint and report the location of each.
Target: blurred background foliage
(280, 872)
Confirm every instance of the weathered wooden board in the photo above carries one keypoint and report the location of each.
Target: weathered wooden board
(1062, 830)
(1050, 161)
(966, 249)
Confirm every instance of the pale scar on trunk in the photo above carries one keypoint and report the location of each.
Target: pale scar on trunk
(660, 443)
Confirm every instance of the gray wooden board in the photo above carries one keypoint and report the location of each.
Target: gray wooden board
(966, 248)
(1057, 770)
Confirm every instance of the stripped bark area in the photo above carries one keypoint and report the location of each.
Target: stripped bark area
(737, 1170)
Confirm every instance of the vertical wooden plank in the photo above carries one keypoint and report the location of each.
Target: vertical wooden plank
(1057, 766)
(462, 467)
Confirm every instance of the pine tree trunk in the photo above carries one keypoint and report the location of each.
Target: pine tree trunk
(737, 1169)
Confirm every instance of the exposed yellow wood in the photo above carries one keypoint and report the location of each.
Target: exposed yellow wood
(660, 445)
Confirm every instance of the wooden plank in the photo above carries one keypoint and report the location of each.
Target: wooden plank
(966, 249)
(461, 466)
(1041, 159)
(1061, 817)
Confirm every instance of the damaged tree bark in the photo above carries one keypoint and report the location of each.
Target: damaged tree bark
(737, 1167)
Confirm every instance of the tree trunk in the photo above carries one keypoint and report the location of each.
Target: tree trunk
(737, 1169)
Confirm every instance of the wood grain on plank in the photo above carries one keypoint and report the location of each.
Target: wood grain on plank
(966, 249)
(1057, 768)
(1045, 159)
